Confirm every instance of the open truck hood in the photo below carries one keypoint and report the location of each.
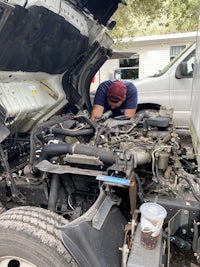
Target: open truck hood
(102, 10)
(50, 51)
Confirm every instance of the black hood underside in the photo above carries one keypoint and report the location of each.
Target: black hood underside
(38, 40)
(102, 10)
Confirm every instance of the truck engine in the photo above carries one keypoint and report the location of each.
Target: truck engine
(68, 160)
(71, 188)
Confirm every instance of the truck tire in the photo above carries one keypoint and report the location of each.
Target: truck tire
(29, 238)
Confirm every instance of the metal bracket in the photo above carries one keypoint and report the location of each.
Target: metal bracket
(17, 196)
(103, 211)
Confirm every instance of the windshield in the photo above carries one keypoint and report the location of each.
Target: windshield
(165, 69)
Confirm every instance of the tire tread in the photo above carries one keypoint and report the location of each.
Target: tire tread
(40, 224)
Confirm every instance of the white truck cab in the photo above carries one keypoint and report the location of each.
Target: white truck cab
(170, 87)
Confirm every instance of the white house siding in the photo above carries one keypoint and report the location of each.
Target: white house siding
(152, 59)
(154, 54)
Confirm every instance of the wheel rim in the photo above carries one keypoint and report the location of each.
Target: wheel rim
(15, 262)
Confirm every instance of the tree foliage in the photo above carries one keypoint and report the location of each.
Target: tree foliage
(150, 17)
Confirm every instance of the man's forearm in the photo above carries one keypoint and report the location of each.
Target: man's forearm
(130, 112)
(97, 111)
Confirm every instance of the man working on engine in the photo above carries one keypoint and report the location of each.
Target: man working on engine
(116, 95)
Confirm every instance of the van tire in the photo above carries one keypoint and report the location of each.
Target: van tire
(29, 237)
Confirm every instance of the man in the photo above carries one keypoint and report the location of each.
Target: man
(116, 95)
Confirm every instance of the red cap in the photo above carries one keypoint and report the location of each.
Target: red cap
(117, 92)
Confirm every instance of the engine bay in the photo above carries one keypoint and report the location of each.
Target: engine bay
(92, 175)
(64, 162)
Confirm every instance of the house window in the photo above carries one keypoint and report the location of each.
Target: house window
(175, 50)
(128, 68)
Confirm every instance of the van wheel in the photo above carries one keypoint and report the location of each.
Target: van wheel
(29, 238)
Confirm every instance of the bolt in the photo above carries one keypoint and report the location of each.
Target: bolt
(184, 231)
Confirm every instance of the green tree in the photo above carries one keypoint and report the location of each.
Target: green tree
(150, 17)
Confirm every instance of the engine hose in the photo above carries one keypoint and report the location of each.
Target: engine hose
(69, 132)
(140, 189)
(105, 156)
(90, 122)
(53, 192)
(34, 140)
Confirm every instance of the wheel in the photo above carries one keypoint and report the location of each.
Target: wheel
(29, 238)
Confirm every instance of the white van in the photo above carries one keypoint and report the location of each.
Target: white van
(170, 87)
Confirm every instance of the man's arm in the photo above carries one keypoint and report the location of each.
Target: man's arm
(130, 112)
(97, 111)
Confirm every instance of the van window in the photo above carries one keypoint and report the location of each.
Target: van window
(189, 64)
(172, 62)
(128, 68)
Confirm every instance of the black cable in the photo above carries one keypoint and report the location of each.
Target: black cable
(192, 188)
(140, 188)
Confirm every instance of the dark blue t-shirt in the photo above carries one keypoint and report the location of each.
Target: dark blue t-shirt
(129, 103)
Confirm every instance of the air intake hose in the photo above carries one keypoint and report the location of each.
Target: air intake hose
(107, 157)
(68, 132)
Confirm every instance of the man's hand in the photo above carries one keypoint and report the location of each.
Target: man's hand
(97, 111)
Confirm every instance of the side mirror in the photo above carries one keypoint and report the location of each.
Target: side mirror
(183, 72)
